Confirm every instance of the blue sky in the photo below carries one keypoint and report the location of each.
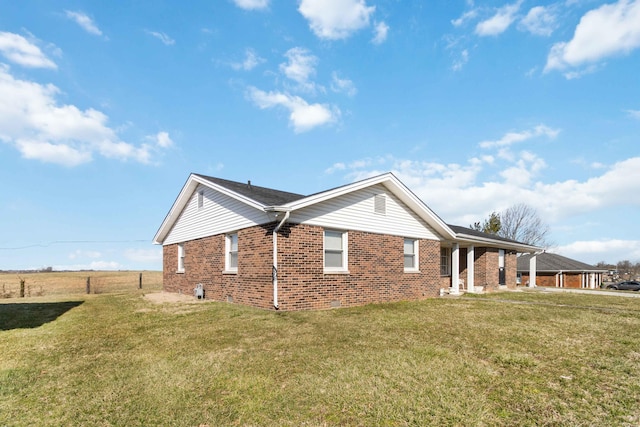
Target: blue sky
(475, 105)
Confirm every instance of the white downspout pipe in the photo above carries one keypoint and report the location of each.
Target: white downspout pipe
(274, 271)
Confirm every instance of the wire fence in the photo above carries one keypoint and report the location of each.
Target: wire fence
(20, 285)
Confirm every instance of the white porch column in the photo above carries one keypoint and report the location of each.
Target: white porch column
(470, 266)
(592, 281)
(532, 271)
(455, 269)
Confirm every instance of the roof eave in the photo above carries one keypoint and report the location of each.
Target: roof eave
(520, 247)
(392, 184)
(183, 198)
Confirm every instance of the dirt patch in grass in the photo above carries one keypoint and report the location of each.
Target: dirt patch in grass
(171, 297)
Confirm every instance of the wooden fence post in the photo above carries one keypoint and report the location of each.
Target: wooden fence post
(22, 287)
(89, 284)
(140, 282)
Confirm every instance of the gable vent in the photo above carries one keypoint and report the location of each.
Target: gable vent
(380, 204)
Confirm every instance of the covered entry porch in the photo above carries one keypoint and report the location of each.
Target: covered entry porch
(480, 262)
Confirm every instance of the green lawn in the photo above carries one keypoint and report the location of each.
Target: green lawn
(500, 359)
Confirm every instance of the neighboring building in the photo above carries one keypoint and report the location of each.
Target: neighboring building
(370, 241)
(561, 272)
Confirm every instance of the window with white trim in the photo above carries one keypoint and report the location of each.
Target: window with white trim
(231, 249)
(410, 255)
(335, 250)
(445, 261)
(180, 257)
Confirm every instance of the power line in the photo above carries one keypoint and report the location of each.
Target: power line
(61, 242)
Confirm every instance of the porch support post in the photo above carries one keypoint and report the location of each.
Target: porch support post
(470, 272)
(532, 271)
(455, 269)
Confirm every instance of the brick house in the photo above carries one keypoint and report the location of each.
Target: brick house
(369, 241)
(555, 270)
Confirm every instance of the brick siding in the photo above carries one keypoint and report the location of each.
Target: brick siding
(375, 269)
(571, 280)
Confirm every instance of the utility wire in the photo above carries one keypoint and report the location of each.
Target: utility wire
(60, 242)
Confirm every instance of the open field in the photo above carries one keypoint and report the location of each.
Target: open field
(75, 282)
(514, 358)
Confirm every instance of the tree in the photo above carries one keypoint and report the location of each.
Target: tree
(521, 222)
(491, 225)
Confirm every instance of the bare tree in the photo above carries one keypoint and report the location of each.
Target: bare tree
(521, 222)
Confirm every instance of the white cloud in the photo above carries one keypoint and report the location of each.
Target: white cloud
(467, 16)
(461, 61)
(94, 265)
(168, 41)
(21, 51)
(635, 114)
(251, 60)
(611, 29)
(33, 122)
(499, 22)
(144, 255)
(300, 66)
(461, 194)
(540, 21)
(342, 85)
(511, 138)
(52, 153)
(302, 115)
(84, 254)
(608, 250)
(162, 139)
(84, 21)
(335, 167)
(252, 4)
(336, 19)
(381, 31)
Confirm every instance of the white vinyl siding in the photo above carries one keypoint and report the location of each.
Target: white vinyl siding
(335, 251)
(219, 214)
(357, 211)
(410, 255)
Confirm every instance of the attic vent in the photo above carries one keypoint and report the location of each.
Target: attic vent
(200, 199)
(380, 204)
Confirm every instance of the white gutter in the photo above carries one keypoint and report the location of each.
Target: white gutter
(274, 271)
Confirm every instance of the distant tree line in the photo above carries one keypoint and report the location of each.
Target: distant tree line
(625, 270)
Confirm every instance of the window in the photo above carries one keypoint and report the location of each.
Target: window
(180, 257)
(410, 255)
(335, 250)
(445, 261)
(200, 199)
(231, 262)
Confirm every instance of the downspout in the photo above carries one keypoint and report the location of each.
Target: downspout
(274, 271)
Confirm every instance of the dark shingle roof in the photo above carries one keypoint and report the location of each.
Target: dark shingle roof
(553, 262)
(470, 231)
(266, 196)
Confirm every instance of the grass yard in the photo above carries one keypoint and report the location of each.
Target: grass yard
(499, 359)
